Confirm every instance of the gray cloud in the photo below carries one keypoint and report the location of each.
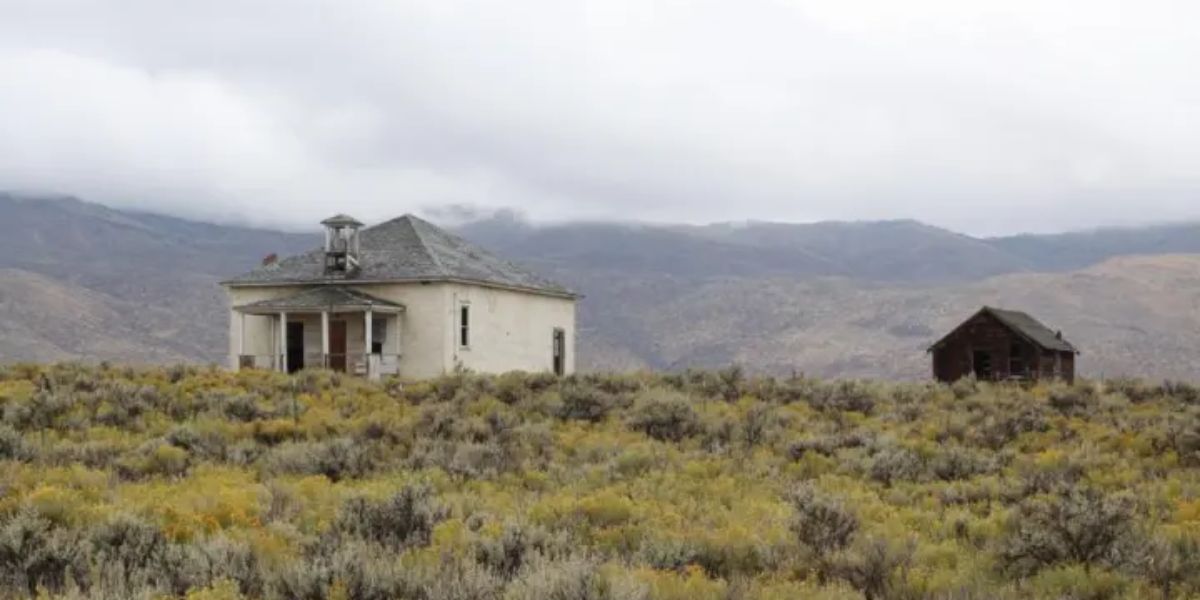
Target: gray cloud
(982, 116)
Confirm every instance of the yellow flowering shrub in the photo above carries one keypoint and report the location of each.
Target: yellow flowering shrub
(201, 484)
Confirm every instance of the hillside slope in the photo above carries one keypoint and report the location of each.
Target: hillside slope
(834, 299)
(155, 277)
(1134, 315)
(43, 319)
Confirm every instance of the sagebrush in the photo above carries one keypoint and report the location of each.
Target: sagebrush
(203, 484)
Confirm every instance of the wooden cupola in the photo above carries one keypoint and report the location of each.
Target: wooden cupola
(341, 245)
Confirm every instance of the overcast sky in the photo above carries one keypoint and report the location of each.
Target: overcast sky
(983, 116)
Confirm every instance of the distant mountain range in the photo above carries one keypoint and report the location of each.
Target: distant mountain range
(79, 280)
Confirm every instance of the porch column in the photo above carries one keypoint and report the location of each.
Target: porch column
(367, 336)
(282, 354)
(325, 339)
(241, 345)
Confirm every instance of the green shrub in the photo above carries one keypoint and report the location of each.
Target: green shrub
(357, 571)
(585, 402)
(243, 408)
(1079, 526)
(404, 520)
(12, 445)
(516, 546)
(1182, 433)
(895, 463)
(845, 396)
(1182, 391)
(664, 416)
(41, 412)
(154, 458)
(35, 554)
(954, 464)
(130, 554)
(473, 460)
(210, 445)
(1076, 582)
(830, 444)
(821, 522)
(1077, 400)
(759, 424)
(1172, 565)
(1004, 423)
(874, 567)
(336, 459)
(222, 559)
(121, 404)
(569, 579)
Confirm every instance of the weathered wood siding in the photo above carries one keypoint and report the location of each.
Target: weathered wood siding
(991, 350)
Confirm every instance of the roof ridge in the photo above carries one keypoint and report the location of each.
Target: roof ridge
(409, 248)
(411, 219)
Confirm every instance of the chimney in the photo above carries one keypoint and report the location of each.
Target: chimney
(1058, 334)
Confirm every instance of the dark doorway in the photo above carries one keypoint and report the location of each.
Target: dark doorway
(295, 346)
(337, 346)
(560, 352)
(982, 362)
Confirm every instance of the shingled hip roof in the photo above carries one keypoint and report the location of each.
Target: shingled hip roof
(331, 298)
(1023, 324)
(406, 249)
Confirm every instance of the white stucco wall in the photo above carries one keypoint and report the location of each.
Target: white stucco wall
(510, 330)
(423, 329)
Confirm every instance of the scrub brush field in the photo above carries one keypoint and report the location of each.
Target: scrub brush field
(203, 484)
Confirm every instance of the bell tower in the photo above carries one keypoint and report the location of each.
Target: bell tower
(341, 245)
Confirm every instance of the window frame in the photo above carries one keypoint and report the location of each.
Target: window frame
(463, 320)
(558, 351)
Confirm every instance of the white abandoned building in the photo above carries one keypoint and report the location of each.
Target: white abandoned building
(403, 297)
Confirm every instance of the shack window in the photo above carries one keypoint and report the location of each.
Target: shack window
(1016, 361)
(464, 325)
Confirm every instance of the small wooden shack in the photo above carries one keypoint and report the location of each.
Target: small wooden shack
(998, 345)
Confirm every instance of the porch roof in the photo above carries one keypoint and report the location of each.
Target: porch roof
(322, 298)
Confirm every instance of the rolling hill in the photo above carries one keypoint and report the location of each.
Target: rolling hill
(81, 280)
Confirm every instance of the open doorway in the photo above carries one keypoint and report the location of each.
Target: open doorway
(982, 364)
(560, 351)
(295, 346)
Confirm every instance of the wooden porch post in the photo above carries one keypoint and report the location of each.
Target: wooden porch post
(367, 317)
(241, 345)
(283, 366)
(325, 339)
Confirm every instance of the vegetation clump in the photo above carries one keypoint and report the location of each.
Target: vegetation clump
(201, 484)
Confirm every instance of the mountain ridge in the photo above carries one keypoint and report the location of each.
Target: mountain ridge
(854, 299)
